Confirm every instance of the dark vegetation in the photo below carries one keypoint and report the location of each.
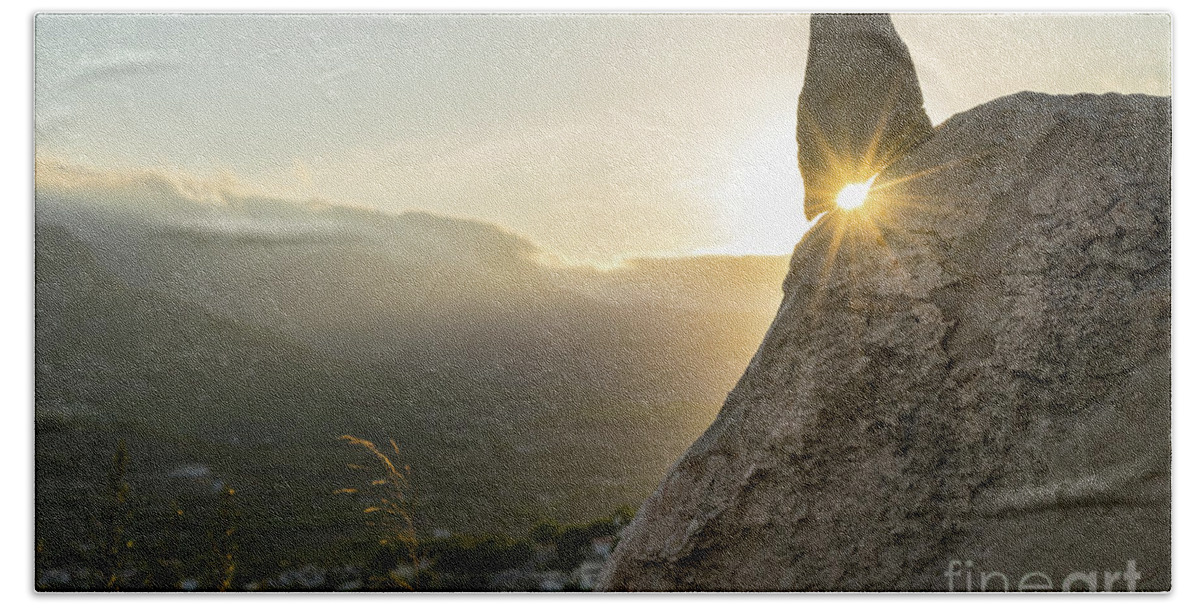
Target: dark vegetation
(197, 546)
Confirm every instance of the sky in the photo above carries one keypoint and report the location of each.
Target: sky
(598, 137)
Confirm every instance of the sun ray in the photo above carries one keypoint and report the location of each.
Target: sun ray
(868, 161)
(832, 158)
(932, 170)
(864, 208)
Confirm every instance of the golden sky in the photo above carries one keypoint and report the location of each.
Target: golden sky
(599, 137)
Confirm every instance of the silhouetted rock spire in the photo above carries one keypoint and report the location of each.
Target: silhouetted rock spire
(861, 106)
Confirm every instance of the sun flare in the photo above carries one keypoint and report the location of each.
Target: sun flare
(854, 195)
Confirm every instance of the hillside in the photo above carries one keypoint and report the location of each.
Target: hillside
(245, 339)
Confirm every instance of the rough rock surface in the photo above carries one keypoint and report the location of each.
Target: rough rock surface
(861, 106)
(973, 366)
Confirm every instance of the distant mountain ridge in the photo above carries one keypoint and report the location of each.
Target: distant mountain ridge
(569, 388)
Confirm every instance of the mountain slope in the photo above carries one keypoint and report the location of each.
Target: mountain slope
(256, 332)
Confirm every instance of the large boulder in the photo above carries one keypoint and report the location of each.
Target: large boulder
(967, 381)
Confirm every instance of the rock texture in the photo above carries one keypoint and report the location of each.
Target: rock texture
(974, 366)
(860, 108)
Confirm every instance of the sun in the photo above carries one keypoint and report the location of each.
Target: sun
(854, 195)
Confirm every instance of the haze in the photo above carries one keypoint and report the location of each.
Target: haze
(598, 137)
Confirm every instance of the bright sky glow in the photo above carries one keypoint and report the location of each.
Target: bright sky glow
(597, 136)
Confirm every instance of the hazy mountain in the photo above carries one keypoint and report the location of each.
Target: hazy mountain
(247, 335)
